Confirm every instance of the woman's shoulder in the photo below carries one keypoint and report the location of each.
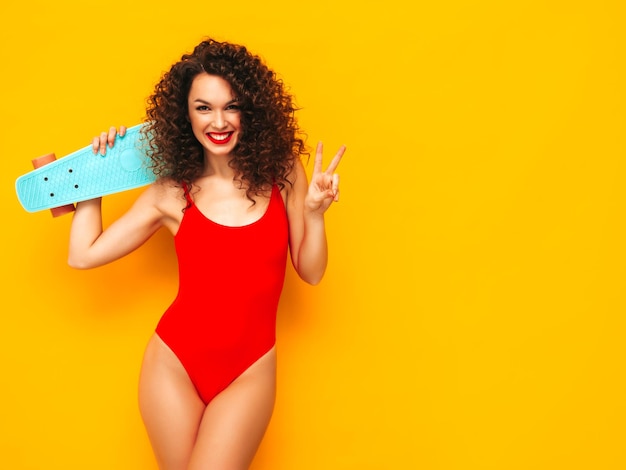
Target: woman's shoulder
(166, 184)
(164, 194)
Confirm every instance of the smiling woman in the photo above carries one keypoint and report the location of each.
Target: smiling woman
(218, 122)
(233, 192)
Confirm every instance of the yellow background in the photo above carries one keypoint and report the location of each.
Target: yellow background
(472, 316)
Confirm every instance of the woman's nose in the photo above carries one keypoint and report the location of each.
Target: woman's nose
(219, 120)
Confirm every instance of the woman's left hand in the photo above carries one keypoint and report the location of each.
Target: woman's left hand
(324, 186)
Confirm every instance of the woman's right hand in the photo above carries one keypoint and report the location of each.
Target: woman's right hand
(99, 143)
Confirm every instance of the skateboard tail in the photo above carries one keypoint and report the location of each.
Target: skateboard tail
(45, 160)
(82, 175)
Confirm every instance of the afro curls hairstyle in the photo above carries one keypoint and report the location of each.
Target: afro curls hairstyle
(270, 141)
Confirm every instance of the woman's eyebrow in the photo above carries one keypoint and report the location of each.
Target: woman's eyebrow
(200, 100)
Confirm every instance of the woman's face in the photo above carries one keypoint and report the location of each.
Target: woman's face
(214, 114)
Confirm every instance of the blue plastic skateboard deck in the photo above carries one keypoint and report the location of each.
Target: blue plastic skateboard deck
(82, 175)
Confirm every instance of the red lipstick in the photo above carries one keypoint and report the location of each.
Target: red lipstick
(219, 138)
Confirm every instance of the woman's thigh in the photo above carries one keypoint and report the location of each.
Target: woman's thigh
(170, 406)
(235, 421)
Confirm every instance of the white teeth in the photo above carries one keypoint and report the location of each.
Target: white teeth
(219, 136)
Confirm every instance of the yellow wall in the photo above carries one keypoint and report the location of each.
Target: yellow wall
(473, 313)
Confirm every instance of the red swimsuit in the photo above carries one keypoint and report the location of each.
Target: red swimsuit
(230, 279)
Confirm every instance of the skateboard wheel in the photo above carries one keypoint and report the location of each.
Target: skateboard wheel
(43, 160)
(62, 210)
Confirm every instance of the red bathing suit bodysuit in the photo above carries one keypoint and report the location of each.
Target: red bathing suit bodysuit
(230, 279)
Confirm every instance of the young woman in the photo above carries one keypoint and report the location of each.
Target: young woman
(231, 188)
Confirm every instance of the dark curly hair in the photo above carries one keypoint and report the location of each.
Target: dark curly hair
(270, 141)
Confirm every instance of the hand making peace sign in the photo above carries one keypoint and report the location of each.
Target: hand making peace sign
(324, 186)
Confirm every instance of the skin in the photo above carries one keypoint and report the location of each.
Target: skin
(225, 434)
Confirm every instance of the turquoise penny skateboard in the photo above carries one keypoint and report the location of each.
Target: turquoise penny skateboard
(58, 184)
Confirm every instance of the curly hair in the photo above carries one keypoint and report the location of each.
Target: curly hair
(270, 141)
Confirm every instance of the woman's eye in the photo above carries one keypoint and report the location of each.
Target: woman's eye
(202, 108)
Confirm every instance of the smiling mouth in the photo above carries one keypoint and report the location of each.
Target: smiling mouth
(219, 138)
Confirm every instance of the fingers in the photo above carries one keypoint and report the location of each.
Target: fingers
(103, 143)
(336, 159)
(317, 164)
(335, 187)
(95, 144)
(99, 143)
(317, 167)
(331, 178)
